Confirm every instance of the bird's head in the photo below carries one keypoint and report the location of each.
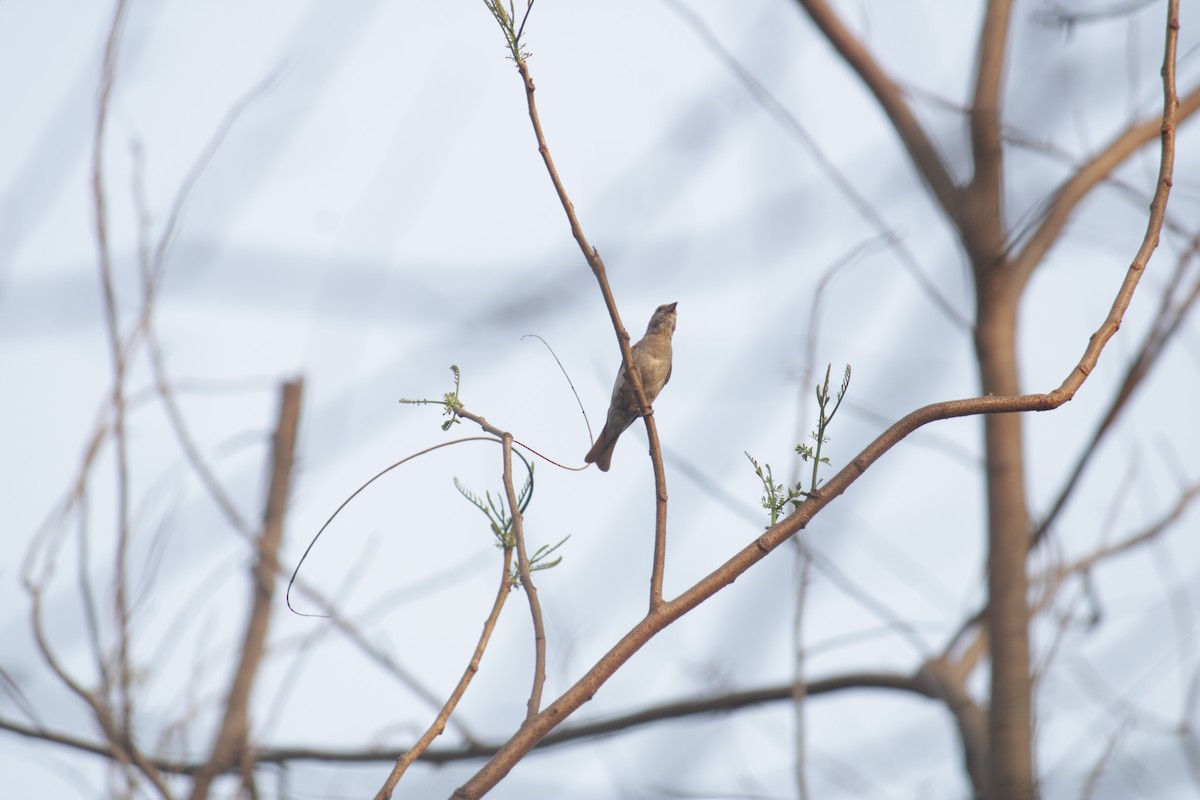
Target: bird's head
(663, 320)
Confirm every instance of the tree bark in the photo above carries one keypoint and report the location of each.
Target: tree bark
(1010, 724)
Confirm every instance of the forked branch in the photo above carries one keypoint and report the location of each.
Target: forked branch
(664, 614)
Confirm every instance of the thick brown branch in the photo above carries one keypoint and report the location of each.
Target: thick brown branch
(668, 612)
(982, 224)
(986, 142)
(231, 738)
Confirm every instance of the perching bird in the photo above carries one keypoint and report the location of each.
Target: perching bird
(652, 360)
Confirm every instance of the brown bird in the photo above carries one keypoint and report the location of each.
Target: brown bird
(652, 360)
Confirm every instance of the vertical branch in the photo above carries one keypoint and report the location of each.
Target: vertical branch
(658, 565)
(231, 739)
(1007, 619)
(1010, 772)
(535, 606)
(108, 75)
(799, 683)
(985, 195)
(523, 565)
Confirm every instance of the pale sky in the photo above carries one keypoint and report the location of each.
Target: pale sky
(377, 211)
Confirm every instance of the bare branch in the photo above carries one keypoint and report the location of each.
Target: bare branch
(921, 148)
(535, 606)
(121, 745)
(231, 737)
(663, 615)
(1095, 170)
(405, 760)
(982, 223)
(917, 684)
(1134, 540)
(112, 319)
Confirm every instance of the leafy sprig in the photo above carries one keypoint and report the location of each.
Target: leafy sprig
(498, 517)
(450, 401)
(824, 418)
(501, 524)
(506, 19)
(776, 496)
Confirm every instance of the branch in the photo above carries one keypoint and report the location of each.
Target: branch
(112, 323)
(664, 614)
(535, 606)
(405, 759)
(1085, 563)
(982, 222)
(121, 746)
(678, 709)
(1076, 188)
(920, 147)
(1162, 331)
(231, 737)
(668, 612)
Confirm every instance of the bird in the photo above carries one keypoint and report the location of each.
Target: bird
(652, 360)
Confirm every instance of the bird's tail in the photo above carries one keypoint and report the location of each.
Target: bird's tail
(602, 451)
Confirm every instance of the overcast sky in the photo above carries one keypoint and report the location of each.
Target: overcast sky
(375, 210)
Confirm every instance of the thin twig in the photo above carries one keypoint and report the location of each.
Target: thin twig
(523, 566)
(406, 759)
(803, 561)
(329, 611)
(1162, 331)
(915, 684)
(570, 383)
(1152, 531)
(121, 746)
(535, 605)
(153, 269)
(121, 683)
